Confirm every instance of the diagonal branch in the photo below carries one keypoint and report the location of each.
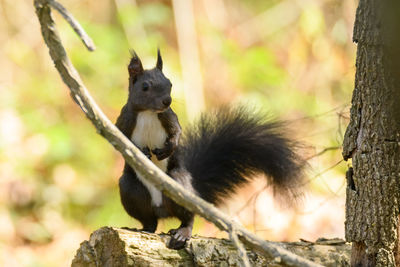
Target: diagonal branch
(136, 159)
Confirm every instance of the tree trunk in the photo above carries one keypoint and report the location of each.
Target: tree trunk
(372, 139)
(118, 247)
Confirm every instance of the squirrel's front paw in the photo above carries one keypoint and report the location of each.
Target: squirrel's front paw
(163, 153)
(146, 151)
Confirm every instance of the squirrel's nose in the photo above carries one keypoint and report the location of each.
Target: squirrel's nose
(167, 101)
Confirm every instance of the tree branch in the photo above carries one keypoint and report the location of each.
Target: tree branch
(138, 160)
(74, 24)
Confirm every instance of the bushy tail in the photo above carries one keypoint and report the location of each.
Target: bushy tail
(226, 147)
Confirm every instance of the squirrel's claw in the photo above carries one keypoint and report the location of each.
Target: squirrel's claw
(179, 237)
(163, 153)
(146, 151)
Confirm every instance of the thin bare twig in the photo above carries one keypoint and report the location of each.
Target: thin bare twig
(242, 251)
(255, 211)
(322, 172)
(325, 113)
(135, 158)
(237, 212)
(326, 200)
(323, 151)
(74, 24)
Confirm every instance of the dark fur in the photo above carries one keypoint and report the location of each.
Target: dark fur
(215, 156)
(234, 144)
(158, 94)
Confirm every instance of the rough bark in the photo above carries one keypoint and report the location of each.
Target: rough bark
(118, 247)
(372, 139)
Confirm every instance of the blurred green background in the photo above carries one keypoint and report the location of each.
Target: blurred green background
(59, 179)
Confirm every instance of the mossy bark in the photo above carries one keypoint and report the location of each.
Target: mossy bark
(372, 139)
(119, 247)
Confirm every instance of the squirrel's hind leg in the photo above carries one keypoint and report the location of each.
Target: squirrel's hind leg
(149, 225)
(181, 235)
(136, 200)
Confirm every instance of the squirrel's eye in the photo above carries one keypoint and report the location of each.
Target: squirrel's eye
(145, 86)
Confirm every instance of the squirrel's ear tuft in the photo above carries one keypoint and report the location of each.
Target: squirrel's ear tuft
(135, 67)
(159, 60)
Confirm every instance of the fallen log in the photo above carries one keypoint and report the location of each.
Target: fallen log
(109, 246)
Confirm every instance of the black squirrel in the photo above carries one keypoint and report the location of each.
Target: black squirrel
(212, 159)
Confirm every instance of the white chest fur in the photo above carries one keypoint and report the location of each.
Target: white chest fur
(150, 133)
